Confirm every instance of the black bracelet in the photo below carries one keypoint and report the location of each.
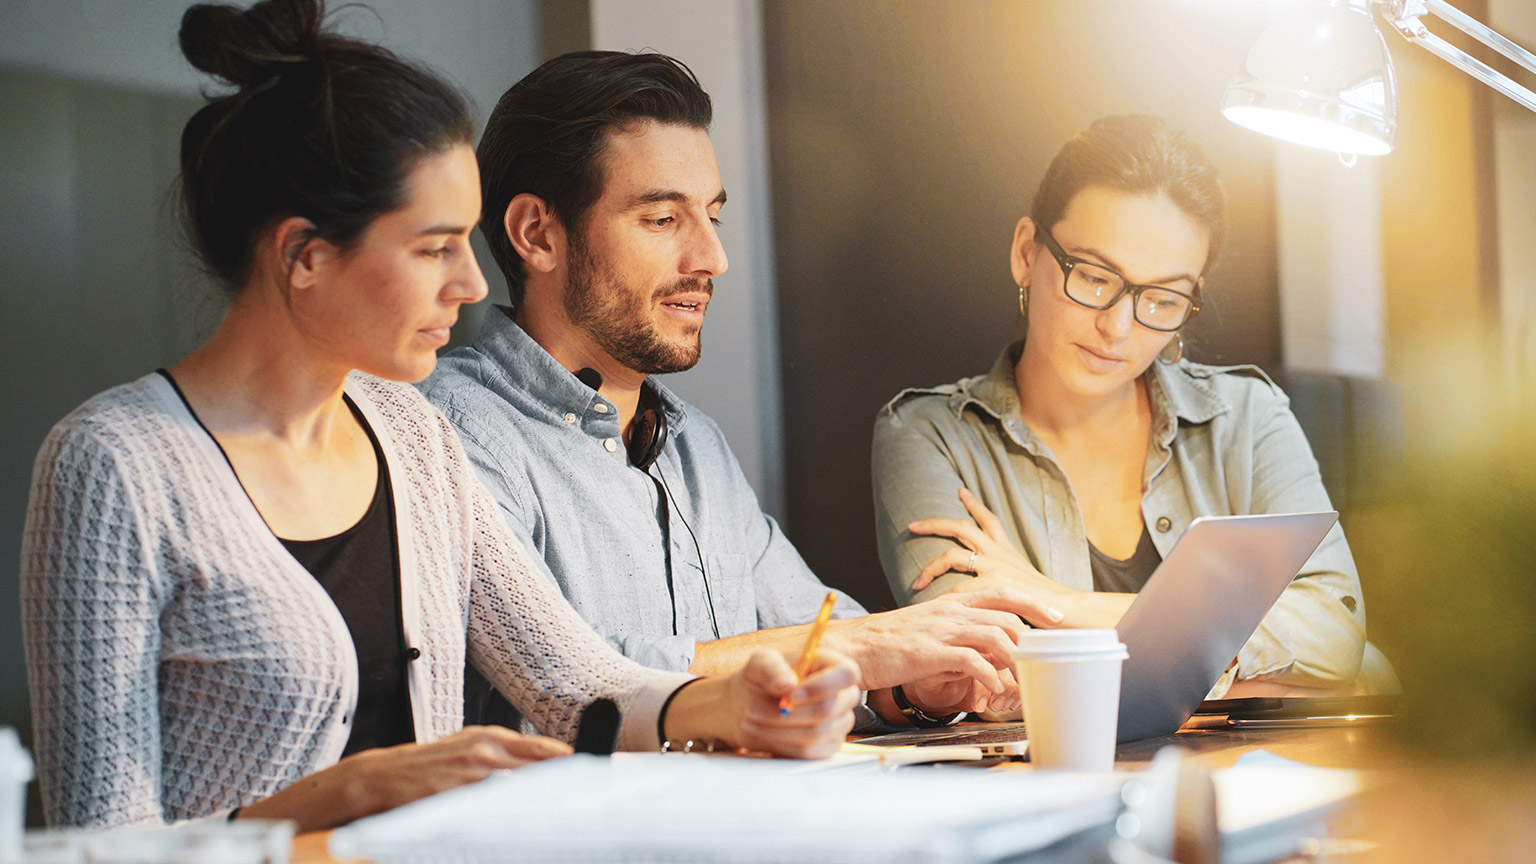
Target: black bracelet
(917, 716)
(661, 717)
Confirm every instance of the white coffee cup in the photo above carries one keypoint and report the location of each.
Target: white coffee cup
(15, 774)
(1070, 682)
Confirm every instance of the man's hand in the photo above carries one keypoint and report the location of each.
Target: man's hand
(946, 695)
(970, 635)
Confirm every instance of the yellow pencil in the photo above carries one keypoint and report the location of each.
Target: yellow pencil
(812, 642)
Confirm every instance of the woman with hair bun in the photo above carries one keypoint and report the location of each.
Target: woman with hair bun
(251, 581)
(1093, 443)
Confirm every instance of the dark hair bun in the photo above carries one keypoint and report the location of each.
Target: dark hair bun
(246, 47)
(323, 127)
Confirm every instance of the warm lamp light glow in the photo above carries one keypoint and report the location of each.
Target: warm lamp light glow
(1320, 77)
(1309, 131)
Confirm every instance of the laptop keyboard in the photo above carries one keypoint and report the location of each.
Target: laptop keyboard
(995, 733)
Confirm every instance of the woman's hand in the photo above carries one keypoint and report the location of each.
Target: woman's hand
(742, 709)
(377, 780)
(996, 561)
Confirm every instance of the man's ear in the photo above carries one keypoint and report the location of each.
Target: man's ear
(300, 252)
(535, 233)
(1023, 251)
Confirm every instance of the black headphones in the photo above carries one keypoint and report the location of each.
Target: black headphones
(647, 438)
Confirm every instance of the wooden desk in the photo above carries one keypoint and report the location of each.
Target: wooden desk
(1418, 809)
(310, 849)
(1359, 748)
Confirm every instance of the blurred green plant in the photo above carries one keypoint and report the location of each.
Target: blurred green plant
(1452, 565)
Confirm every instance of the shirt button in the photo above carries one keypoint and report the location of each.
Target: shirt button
(1348, 601)
(610, 444)
(346, 719)
(570, 418)
(600, 407)
(1163, 524)
(413, 653)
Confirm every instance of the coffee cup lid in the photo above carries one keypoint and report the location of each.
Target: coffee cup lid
(1035, 642)
(15, 763)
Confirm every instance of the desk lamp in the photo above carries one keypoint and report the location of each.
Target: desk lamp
(1323, 77)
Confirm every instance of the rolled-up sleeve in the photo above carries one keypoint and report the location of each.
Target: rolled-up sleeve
(1315, 633)
(914, 478)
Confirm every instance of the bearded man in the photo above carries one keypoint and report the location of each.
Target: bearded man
(601, 196)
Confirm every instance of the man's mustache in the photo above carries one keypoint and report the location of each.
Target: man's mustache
(686, 286)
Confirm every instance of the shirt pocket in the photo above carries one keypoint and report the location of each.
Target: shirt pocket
(735, 599)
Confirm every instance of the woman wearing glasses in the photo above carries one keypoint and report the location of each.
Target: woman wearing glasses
(1090, 446)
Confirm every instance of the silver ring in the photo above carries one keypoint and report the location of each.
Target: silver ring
(971, 565)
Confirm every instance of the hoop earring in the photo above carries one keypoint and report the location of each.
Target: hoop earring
(1024, 300)
(1177, 350)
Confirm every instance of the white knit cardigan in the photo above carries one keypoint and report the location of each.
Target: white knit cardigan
(182, 663)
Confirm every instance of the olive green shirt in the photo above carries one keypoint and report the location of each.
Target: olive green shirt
(1224, 442)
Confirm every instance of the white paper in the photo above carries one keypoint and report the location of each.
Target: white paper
(703, 809)
(1266, 804)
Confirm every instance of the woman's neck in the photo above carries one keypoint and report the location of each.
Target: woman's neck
(1056, 412)
(257, 377)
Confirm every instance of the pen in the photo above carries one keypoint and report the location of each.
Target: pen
(808, 655)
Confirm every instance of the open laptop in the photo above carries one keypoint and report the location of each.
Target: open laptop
(1187, 623)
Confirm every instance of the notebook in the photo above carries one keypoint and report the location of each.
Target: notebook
(1185, 626)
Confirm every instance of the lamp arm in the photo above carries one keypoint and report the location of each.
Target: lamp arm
(1404, 16)
(1482, 33)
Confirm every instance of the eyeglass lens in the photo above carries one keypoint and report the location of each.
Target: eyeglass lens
(1099, 288)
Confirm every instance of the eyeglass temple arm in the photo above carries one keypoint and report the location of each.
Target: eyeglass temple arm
(1404, 16)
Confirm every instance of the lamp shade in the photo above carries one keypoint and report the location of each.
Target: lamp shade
(1321, 77)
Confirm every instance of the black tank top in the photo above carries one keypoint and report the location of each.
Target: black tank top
(1130, 575)
(360, 569)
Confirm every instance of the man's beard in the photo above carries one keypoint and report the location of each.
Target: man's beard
(601, 305)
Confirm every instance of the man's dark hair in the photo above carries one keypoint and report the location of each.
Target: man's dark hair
(549, 133)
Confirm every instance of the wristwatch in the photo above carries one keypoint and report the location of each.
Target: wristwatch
(920, 718)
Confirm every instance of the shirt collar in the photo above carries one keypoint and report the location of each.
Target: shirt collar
(533, 370)
(1176, 394)
(1186, 389)
(996, 392)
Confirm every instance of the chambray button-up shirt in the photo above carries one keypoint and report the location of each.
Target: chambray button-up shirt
(1224, 442)
(552, 453)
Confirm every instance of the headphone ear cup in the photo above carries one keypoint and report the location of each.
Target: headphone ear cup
(649, 435)
(648, 438)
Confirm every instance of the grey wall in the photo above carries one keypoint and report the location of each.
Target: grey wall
(906, 140)
(95, 285)
(484, 45)
(94, 291)
(737, 381)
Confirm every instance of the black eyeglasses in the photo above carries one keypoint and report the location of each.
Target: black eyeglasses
(1098, 287)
